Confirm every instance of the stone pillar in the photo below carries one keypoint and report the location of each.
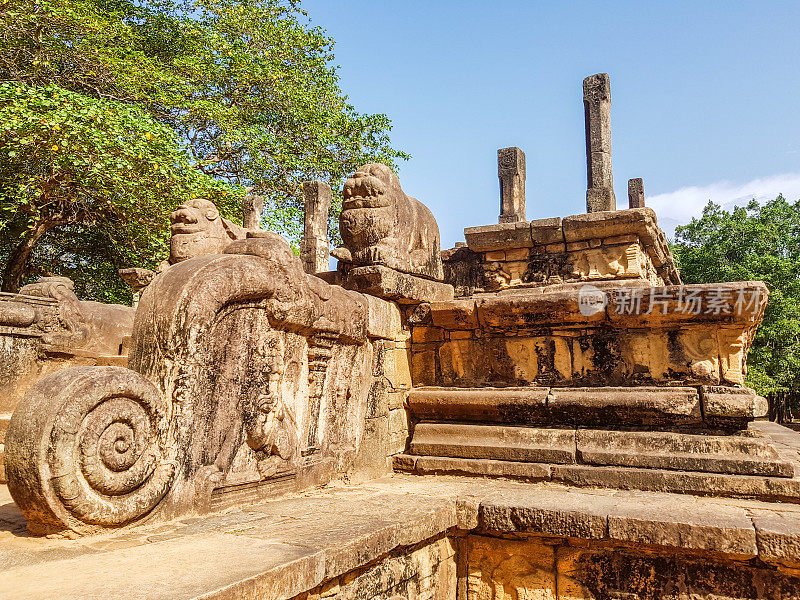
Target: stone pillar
(252, 207)
(314, 249)
(636, 193)
(511, 171)
(138, 279)
(597, 111)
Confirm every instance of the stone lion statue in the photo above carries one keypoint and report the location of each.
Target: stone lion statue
(381, 225)
(197, 230)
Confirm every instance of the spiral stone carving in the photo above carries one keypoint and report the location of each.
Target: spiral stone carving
(90, 447)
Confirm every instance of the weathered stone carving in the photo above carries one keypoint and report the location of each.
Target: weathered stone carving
(542, 567)
(50, 311)
(381, 225)
(90, 446)
(47, 328)
(614, 261)
(73, 331)
(505, 572)
(625, 244)
(261, 371)
(137, 278)
(644, 335)
(198, 230)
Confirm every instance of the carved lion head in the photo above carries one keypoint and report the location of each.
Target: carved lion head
(197, 230)
(371, 186)
(195, 215)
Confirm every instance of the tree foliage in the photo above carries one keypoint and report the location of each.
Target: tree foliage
(91, 169)
(753, 243)
(240, 96)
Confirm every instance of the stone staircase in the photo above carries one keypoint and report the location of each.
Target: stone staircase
(643, 437)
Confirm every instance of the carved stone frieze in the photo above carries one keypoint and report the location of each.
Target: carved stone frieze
(259, 371)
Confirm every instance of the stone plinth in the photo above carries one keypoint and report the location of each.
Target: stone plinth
(400, 287)
(428, 537)
(592, 247)
(692, 334)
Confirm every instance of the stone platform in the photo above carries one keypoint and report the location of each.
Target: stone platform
(423, 537)
(762, 462)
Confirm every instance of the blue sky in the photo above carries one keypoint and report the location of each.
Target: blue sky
(705, 98)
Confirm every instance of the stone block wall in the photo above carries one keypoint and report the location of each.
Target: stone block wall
(544, 338)
(386, 423)
(426, 571)
(493, 568)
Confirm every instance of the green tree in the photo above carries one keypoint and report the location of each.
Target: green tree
(94, 170)
(753, 243)
(247, 87)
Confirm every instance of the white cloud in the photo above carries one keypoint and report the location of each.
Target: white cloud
(678, 207)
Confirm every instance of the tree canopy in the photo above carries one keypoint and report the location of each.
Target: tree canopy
(115, 111)
(753, 243)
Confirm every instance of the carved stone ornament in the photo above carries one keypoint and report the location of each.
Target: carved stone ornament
(197, 229)
(242, 368)
(73, 330)
(381, 225)
(90, 447)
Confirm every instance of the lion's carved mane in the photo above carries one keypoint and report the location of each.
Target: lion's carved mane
(381, 225)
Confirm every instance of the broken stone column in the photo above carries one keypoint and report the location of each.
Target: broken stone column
(636, 193)
(511, 171)
(252, 206)
(597, 110)
(314, 248)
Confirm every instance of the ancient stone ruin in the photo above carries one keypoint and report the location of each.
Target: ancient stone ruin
(545, 411)
(45, 328)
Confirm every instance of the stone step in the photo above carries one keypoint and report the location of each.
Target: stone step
(771, 489)
(112, 360)
(643, 406)
(734, 454)
(750, 453)
(496, 442)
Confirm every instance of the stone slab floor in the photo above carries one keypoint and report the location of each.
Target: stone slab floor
(283, 548)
